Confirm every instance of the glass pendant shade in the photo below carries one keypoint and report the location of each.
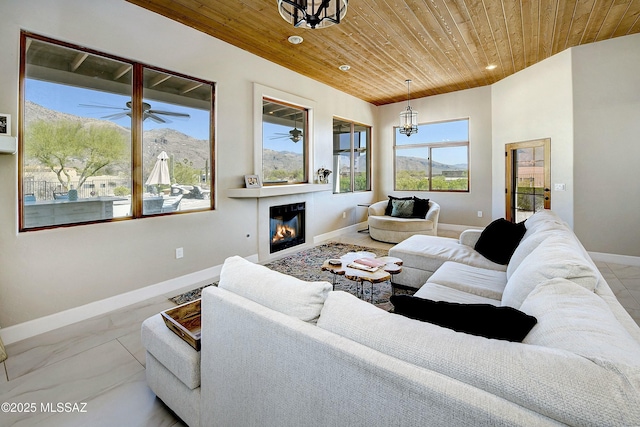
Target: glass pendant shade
(408, 118)
(312, 13)
(408, 122)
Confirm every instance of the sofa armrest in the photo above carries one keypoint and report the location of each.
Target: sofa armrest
(470, 237)
(378, 208)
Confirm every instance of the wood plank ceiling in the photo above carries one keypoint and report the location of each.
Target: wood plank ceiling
(441, 45)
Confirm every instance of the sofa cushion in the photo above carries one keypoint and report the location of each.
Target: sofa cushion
(485, 320)
(577, 320)
(530, 242)
(474, 280)
(389, 207)
(430, 252)
(436, 292)
(543, 218)
(557, 383)
(499, 239)
(554, 257)
(280, 292)
(402, 208)
(399, 224)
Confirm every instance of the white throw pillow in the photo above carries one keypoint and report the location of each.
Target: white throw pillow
(277, 291)
(555, 257)
(574, 319)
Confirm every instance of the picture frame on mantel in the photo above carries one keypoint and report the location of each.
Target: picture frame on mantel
(252, 181)
(5, 124)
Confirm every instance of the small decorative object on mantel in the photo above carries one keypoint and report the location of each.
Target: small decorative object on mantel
(5, 124)
(252, 181)
(323, 175)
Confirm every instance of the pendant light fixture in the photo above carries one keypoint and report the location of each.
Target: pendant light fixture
(408, 118)
(313, 13)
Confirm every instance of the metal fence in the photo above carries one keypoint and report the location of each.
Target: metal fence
(43, 190)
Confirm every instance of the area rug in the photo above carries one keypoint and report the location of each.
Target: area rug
(306, 265)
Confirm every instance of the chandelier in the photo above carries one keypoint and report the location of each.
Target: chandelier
(408, 118)
(313, 13)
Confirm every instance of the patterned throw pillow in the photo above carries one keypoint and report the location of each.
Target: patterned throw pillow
(402, 208)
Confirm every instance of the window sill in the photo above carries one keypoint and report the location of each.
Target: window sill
(276, 190)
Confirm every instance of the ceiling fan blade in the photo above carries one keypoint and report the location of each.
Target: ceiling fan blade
(115, 116)
(168, 113)
(155, 118)
(102, 106)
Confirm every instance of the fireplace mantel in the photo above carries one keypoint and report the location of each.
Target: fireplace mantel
(276, 190)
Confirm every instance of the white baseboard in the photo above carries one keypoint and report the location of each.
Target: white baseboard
(456, 227)
(48, 323)
(615, 259)
(339, 232)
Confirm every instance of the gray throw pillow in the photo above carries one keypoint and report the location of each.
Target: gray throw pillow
(402, 208)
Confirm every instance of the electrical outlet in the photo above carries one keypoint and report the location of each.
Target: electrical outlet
(559, 187)
(179, 253)
(479, 214)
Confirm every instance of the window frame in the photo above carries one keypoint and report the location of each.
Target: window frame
(260, 93)
(137, 89)
(305, 139)
(429, 146)
(352, 150)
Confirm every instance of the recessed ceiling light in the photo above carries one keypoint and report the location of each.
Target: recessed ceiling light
(295, 39)
(491, 67)
(344, 67)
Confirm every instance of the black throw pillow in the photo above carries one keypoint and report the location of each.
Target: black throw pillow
(389, 208)
(420, 207)
(485, 320)
(499, 240)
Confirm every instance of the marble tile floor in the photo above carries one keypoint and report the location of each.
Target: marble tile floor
(100, 363)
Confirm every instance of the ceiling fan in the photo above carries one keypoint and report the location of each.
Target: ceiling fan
(147, 112)
(294, 134)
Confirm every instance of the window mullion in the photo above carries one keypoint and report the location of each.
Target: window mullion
(136, 141)
(352, 157)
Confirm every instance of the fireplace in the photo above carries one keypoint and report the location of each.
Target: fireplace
(286, 225)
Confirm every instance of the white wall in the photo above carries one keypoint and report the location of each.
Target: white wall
(531, 104)
(49, 271)
(475, 104)
(606, 82)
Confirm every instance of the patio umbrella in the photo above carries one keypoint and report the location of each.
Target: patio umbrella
(160, 172)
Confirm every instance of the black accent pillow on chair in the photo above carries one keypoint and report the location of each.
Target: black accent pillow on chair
(499, 240)
(420, 207)
(485, 320)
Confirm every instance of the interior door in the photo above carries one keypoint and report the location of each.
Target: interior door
(528, 178)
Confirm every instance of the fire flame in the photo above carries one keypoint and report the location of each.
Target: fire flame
(283, 232)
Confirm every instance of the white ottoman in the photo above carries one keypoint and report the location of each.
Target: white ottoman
(172, 369)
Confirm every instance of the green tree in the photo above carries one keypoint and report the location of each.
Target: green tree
(67, 144)
(185, 173)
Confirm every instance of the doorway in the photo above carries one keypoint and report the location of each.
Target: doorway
(528, 178)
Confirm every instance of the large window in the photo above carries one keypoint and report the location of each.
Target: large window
(434, 159)
(106, 138)
(351, 164)
(284, 143)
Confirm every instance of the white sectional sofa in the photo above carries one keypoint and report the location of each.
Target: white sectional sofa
(280, 352)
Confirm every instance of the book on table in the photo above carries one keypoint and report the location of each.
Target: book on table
(366, 264)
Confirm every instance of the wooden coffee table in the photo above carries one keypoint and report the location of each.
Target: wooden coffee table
(392, 266)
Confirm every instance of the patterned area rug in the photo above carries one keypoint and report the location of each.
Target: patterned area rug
(306, 265)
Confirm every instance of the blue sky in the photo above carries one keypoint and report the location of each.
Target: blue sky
(280, 144)
(457, 130)
(69, 99)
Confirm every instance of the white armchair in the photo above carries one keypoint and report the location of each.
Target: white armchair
(391, 229)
